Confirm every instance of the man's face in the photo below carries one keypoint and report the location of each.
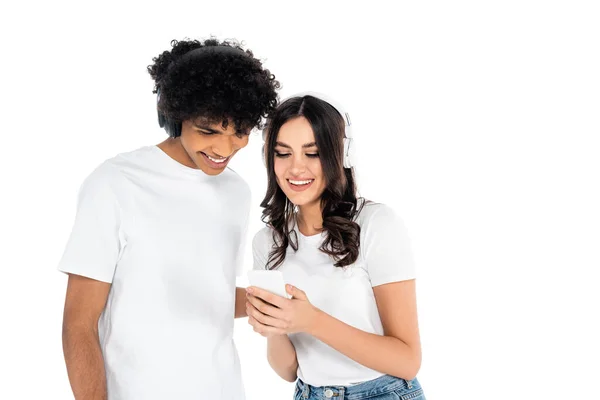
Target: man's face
(209, 145)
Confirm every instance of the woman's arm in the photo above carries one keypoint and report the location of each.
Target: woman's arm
(282, 357)
(281, 353)
(397, 353)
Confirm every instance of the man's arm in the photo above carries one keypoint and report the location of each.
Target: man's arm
(84, 303)
(240, 302)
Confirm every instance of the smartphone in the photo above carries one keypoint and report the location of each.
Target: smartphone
(271, 281)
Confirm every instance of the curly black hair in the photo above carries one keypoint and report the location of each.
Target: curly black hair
(220, 86)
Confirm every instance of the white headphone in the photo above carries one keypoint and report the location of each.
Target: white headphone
(348, 147)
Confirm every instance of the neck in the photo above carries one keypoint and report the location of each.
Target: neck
(310, 218)
(174, 149)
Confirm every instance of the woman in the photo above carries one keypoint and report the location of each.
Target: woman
(350, 329)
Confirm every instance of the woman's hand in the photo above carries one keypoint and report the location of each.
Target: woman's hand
(272, 315)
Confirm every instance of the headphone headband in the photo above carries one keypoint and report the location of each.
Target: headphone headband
(338, 107)
(205, 51)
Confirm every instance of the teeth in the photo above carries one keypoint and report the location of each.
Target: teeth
(216, 160)
(300, 182)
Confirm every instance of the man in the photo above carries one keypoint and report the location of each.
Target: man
(153, 254)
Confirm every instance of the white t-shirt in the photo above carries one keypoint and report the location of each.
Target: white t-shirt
(168, 238)
(344, 293)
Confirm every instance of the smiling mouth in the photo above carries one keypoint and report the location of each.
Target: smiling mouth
(299, 185)
(216, 162)
(300, 182)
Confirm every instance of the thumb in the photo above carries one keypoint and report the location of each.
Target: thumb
(296, 293)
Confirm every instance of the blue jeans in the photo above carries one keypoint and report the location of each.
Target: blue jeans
(385, 387)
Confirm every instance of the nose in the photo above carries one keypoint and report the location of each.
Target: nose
(298, 166)
(224, 146)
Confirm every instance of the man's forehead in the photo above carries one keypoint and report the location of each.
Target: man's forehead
(217, 123)
(212, 122)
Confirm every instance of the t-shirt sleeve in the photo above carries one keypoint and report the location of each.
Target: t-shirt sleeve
(386, 248)
(95, 243)
(261, 246)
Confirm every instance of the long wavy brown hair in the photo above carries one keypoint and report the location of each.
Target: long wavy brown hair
(339, 203)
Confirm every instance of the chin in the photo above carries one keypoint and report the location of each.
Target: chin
(212, 172)
(302, 200)
(206, 169)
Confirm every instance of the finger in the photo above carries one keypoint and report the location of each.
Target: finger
(264, 307)
(295, 292)
(264, 329)
(265, 319)
(256, 326)
(268, 296)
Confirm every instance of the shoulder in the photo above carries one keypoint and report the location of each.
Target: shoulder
(377, 220)
(263, 238)
(145, 159)
(103, 176)
(375, 214)
(111, 171)
(114, 166)
(111, 174)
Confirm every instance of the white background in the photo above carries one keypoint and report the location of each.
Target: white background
(476, 121)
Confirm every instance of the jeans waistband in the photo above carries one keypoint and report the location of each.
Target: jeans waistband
(375, 387)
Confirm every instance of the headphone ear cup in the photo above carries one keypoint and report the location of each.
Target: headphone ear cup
(347, 153)
(173, 128)
(262, 150)
(161, 119)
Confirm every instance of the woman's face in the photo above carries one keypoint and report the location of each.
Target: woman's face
(296, 162)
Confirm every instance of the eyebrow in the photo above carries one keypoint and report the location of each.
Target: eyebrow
(211, 130)
(304, 146)
(206, 128)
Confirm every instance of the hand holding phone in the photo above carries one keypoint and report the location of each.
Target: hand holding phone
(271, 281)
